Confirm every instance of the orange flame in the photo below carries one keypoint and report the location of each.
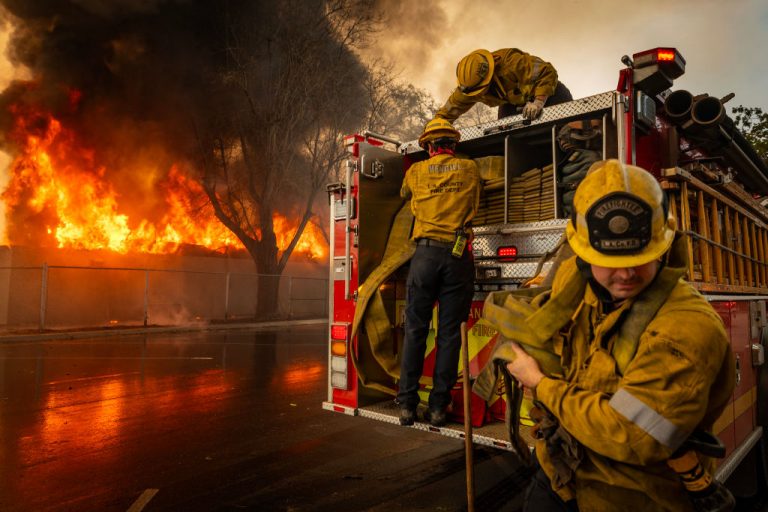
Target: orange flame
(58, 195)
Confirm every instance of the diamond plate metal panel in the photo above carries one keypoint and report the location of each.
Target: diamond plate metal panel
(532, 241)
(563, 111)
(493, 434)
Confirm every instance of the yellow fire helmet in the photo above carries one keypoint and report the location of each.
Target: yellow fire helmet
(474, 72)
(438, 128)
(620, 217)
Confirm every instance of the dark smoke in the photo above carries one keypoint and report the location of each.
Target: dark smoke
(136, 79)
(127, 77)
(415, 31)
(134, 62)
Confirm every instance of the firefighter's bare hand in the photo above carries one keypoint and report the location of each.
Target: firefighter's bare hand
(532, 109)
(525, 368)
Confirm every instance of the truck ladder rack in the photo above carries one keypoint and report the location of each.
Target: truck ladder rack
(727, 240)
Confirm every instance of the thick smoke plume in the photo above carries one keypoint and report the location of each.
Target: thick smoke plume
(138, 81)
(137, 69)
(126, 77)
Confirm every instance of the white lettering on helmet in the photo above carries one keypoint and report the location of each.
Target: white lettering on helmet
(620, 244)
(623, 204)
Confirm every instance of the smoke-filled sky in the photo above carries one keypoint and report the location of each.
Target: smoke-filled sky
(723, 42)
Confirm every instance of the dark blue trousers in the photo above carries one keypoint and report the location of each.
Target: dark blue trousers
(435, 275)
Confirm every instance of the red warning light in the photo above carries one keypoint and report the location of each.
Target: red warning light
(507, 253)
(339, 331)
(665, 55)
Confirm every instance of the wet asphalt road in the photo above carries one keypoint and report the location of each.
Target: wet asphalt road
(214, 421)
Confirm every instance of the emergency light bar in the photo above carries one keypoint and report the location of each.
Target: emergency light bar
(659, 55)
(654, 70)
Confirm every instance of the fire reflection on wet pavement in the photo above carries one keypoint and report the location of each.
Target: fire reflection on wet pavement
(83, 423)
(214, 421)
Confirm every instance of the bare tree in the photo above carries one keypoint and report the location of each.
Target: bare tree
(396, 108)
(285, 94)
(480, 113)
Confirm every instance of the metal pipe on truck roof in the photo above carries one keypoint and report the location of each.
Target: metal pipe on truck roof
(678, 106)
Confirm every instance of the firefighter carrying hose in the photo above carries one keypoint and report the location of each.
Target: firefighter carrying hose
(444, 195)
(509, 79)
(645, 366)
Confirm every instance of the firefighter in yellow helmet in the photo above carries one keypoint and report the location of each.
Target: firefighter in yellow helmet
(626, 405)
(509, 79)
(444, 193)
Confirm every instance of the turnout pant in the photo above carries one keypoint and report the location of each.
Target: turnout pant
(434, 275)
(539, 497)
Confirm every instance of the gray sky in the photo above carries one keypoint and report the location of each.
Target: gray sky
(723, 41)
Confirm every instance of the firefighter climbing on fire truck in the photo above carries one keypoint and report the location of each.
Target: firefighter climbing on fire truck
(444, 192)
(644, 360)
(508, 78)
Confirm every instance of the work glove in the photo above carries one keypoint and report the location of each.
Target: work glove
(532, 109)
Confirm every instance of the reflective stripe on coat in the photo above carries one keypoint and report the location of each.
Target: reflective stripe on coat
(680, 379)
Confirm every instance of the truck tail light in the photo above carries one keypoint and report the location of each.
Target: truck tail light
(339, 332)
(338, 348)
(507, 253)
(338, 358)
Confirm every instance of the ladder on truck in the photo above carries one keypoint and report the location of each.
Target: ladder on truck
(727, 231)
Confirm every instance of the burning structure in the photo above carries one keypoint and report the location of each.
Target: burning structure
(150, 127)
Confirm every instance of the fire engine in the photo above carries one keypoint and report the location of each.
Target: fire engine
(714, 181)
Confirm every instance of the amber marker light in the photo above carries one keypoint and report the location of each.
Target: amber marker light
(339, 348)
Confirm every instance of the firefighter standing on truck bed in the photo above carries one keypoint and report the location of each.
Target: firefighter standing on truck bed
(444, 196)
(508, 78)
(645, 361)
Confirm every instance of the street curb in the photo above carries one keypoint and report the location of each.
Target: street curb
(73, 335)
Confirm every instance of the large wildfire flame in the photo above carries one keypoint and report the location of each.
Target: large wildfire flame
(58, 195)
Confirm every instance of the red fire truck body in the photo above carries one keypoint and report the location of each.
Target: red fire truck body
(713, 179)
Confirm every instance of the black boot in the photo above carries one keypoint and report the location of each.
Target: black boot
(435, 417)
(407, 416)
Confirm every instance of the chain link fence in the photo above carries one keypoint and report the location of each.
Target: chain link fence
(64, 297)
